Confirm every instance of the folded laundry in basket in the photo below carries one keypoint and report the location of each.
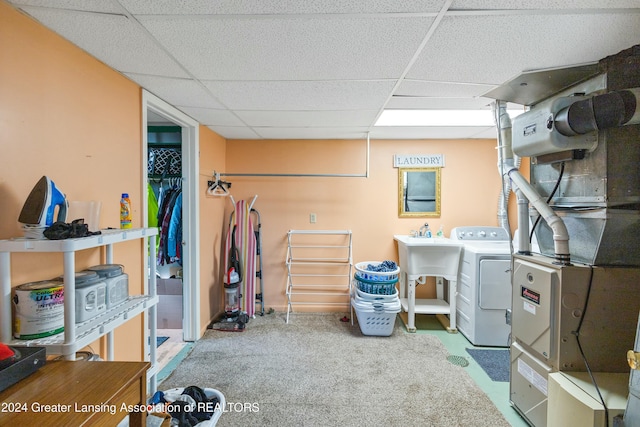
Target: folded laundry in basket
(383, 266)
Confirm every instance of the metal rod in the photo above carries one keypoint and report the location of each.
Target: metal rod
(322, 175)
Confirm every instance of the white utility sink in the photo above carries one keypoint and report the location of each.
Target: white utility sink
(421, 257)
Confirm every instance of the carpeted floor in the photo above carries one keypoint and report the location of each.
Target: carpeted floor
(318, 371)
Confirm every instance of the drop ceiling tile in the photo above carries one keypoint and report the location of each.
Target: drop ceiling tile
(271, 7)
(178, 92)
(424, 103)
(212, 117)
(441, 89)
(308, 118)
(113, 39)
(542, 4)
(494, 49)
(235, 132)
(488, 133)
(302, 95)
(86, 5)
(311, 133)
(416, 132)
(290, 48)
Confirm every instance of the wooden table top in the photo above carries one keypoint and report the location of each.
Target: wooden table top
(75, 392)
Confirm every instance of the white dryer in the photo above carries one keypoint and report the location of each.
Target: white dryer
(484, 285)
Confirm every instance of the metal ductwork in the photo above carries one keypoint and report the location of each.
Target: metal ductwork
(590, 123)
(610, 110)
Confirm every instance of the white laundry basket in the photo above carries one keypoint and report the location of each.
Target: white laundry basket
(376, 317)
(210, 393)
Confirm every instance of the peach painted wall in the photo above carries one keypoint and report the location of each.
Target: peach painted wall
(66, 115)
(367, 206)
(212, 220)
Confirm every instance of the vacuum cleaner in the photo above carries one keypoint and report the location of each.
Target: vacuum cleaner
(40, 207)
(233, 319)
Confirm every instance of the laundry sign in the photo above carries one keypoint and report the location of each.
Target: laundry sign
(418, 160)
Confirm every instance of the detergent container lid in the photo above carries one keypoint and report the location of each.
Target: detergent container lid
(84, 278)
(107, 270)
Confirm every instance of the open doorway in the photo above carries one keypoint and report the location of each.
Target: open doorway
(185, 283)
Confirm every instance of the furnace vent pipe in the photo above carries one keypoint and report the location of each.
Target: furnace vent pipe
(509, 169)
(505, 157)
(524, 245)
(613, 109)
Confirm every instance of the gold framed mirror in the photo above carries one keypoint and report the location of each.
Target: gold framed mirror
(418, 192)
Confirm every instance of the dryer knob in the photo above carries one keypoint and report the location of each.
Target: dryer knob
(482, 234)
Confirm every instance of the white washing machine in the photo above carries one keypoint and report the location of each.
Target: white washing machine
(484, 285)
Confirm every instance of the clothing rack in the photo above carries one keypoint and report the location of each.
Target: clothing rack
(319, 268)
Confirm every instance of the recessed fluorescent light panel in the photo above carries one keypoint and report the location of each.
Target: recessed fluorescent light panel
(421, 118)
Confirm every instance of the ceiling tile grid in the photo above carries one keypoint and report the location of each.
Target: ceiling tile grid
(300, 48)
(493, 49)
(111, 38)
(282, 7)
(178, 92)
(327, 69)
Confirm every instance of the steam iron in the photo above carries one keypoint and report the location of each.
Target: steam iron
(39, 209)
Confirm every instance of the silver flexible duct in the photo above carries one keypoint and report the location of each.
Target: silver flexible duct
(510, 171)
(524, 245)
(505, 154)
(613, 109)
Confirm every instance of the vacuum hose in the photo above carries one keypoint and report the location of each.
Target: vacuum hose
(613, 109)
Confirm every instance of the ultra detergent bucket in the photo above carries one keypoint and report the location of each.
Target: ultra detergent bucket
(116, 280)
(39, 308)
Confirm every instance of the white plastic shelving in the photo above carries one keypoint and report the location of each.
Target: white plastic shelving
(78, 335)
(318, 254)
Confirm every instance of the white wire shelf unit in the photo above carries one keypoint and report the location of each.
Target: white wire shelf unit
(319, 268)
(77, 335)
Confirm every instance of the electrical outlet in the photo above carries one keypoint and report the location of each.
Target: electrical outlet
(312, 218)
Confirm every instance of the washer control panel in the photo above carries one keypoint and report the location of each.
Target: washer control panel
(480, 233)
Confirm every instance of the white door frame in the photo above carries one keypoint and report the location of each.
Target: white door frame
(190, 206)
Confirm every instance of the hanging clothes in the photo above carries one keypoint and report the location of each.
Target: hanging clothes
(165, 215)
(152, 215)
(245, 240)
(174, 238)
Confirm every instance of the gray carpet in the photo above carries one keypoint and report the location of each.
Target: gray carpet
(318, 371)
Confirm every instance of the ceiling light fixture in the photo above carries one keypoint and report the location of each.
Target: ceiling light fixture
(421, 118)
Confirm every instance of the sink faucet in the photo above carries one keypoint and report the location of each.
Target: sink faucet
(425, 231)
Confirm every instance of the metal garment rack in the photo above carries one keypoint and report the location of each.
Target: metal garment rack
(319, 267)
